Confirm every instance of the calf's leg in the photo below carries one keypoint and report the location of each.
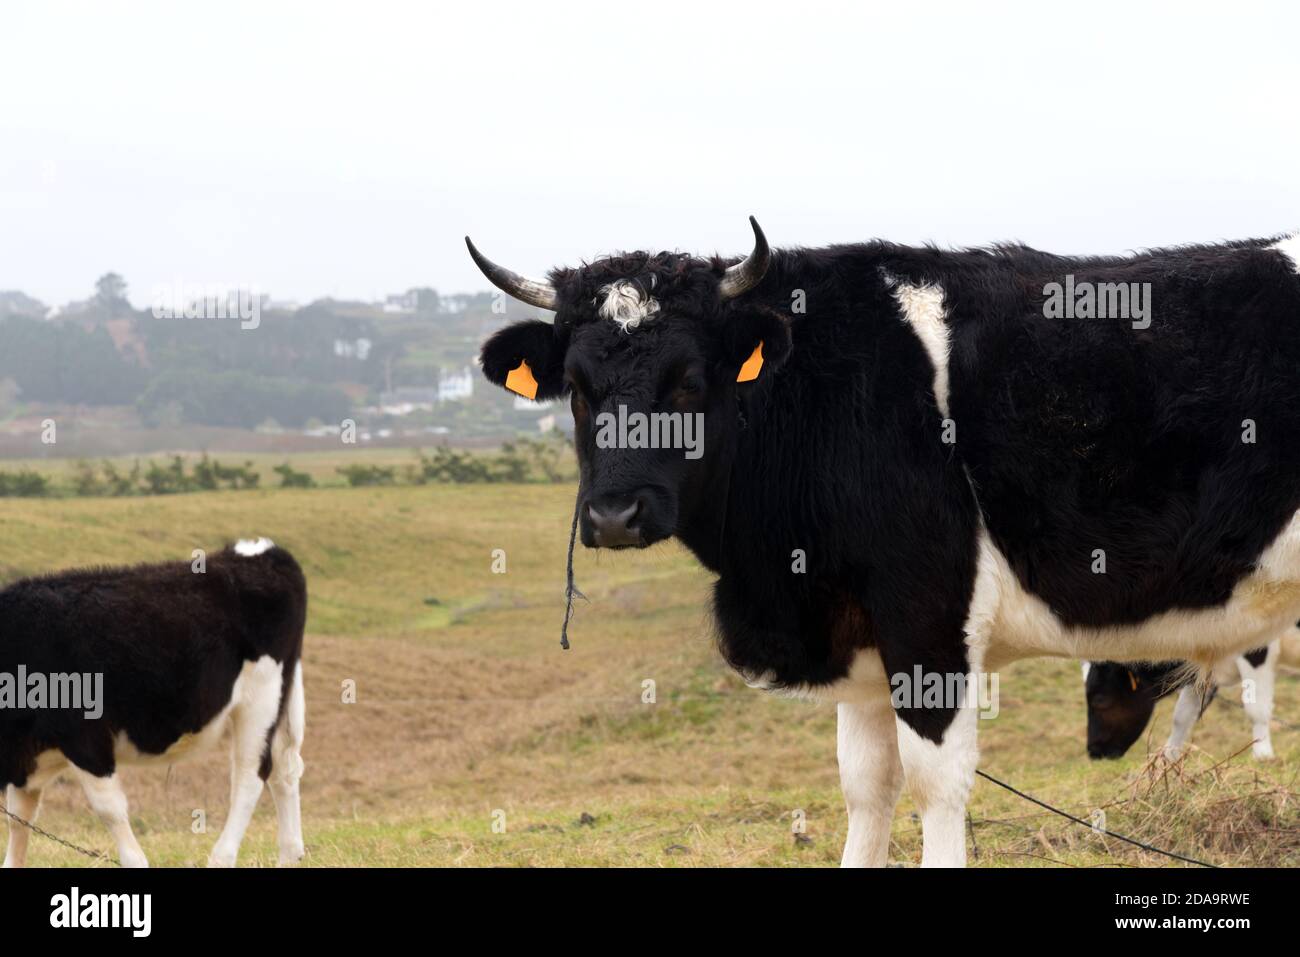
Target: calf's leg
(108, 800)
(26, 803)
(251, 722)
(286, 770)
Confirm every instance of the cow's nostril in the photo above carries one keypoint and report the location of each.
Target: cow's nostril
(613, 526)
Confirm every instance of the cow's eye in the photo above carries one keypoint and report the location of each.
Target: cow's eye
(690, 385)
(577, 402)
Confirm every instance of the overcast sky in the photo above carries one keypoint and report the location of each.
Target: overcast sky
(345, 150)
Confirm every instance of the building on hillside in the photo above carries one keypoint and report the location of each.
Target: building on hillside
(402, 304)
(407, 399)
(455, 386)
(352, 348)
(455, 303)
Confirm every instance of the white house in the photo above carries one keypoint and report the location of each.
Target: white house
(455, 386)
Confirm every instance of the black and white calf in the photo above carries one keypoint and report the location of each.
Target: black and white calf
(1122, 697)
(182, 653)
(918, 461)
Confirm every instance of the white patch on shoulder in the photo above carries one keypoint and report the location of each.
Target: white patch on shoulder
(1290, 247)
(626, 305)
(251, 549)
(1008, 623)
(923, 310)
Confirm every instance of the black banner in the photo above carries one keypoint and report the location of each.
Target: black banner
(333, 907)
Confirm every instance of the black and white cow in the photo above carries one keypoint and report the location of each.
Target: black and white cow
(1122, 697)
(915, 463)
(182, 652)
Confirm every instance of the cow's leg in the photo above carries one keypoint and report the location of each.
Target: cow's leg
(1187, 711)
(108, 800)
(871, 776)
(26, 803)
(251, 722)
(286, 770)
(939, 778)
(1257, 698)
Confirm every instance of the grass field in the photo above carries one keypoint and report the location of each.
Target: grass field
(475, 740)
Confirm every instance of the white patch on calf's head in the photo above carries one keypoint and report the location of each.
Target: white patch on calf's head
(1290, 247)
(626, 305)
(251, 549)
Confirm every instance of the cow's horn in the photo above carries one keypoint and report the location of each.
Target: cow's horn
(744, 276)
(540, 294)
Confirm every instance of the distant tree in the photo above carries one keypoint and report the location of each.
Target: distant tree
(56, 362)
(110, 292)
(239, 399)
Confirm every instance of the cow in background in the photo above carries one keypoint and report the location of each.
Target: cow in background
(1122, 697)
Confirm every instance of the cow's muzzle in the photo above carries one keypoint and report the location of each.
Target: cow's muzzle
(613, 522)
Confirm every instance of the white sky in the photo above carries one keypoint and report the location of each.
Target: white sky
(344, 150)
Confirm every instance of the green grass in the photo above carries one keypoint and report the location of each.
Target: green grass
(467, 706)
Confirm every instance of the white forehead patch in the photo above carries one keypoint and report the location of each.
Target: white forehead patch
(625, 304)
(1290, 247)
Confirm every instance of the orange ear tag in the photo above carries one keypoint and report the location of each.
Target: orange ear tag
(749, 371)
(520, 381)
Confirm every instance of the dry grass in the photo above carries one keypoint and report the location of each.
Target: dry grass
(466, 706)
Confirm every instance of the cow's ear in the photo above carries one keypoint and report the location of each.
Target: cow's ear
(758, 343)
(526, 357)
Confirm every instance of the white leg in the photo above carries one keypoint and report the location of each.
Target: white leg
(1257, 698)
(251, 719)
(26, 803)
(108, 800)
(871, 776)
(1187, 711)
(939, 778)
(286, 770)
